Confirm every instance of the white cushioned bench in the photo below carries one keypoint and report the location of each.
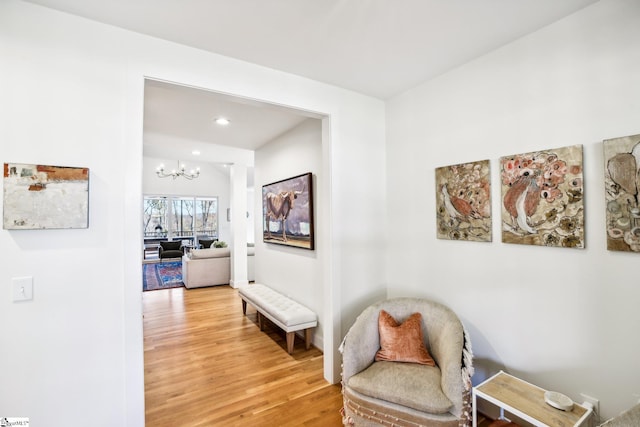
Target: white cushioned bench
(281, 310)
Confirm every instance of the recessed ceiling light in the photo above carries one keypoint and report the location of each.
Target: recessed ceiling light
(222, 121)
(196, 152)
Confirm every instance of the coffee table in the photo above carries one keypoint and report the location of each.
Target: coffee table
(526, 401)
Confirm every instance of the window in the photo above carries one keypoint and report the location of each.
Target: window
(182, 224)
(206, 220)
(155, 217)
(180, 217)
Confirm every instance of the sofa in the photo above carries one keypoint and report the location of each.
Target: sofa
(211, 267)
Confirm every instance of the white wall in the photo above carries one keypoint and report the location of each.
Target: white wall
(295, 272)
(72, 94)
(565, 319)
(213, 182)
(251, 210)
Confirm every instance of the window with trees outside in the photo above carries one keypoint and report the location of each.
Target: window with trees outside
(180, 218)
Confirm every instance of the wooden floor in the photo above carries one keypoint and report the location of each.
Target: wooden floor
(208, 365)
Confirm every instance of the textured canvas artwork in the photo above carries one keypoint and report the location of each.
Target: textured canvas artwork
(622, 183)
(42, 197)
(542, 198)
(463, 202)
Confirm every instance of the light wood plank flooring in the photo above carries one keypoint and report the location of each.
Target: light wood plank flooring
(208, 365)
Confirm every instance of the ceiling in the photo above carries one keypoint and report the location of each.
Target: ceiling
(376, 47)
(189, 113)
(379, 48)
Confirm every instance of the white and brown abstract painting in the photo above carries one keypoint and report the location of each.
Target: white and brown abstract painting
(542, 198)
(463, 202)
(45, 197)
(622, 183)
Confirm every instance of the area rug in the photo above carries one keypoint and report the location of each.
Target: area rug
(163, 275)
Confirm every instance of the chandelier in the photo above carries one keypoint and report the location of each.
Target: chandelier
(181, 171)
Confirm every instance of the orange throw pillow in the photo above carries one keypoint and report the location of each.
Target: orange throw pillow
(402, 343)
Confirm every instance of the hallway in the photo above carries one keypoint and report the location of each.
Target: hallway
(206, 365)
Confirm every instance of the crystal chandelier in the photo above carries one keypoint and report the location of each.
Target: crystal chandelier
(181, 171)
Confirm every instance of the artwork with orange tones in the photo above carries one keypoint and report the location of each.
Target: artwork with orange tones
(463, 202)
(45, 197)
(542, 198)
(622, 184)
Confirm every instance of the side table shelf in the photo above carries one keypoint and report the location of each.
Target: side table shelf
(526, 401)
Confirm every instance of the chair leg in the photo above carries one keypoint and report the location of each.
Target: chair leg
(244, 307)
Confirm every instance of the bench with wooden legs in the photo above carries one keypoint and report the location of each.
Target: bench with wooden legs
(286, 313)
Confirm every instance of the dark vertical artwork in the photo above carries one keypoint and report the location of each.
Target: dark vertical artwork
(287, 212)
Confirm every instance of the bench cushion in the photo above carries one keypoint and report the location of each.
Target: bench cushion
(282, 308)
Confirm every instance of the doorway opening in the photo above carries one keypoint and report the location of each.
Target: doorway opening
(179, 122)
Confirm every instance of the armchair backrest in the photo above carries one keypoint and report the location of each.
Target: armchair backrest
(206, 243)
(173, 245)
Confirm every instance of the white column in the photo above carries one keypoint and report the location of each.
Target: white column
(238, 203)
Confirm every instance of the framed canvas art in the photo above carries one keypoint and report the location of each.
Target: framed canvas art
(45, 197)
(622, 183)
(463, 202)
(287, 208)
(542, 198)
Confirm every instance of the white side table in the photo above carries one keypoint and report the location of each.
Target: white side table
(526, 401)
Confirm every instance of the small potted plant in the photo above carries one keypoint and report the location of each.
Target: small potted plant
(219, 244)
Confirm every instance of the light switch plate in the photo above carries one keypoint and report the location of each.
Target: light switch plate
(22, 288)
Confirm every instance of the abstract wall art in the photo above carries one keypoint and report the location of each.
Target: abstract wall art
(542, 198)
(287, 208)
(622, 184)
(45, 197)
(463, 202)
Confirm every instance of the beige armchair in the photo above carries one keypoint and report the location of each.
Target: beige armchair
(407, 394)
(629, 418)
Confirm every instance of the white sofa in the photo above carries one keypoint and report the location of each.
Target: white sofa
(211, 267)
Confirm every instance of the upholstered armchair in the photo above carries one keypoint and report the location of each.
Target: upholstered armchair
(394, 393)
(172, 249)
(629, 418)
